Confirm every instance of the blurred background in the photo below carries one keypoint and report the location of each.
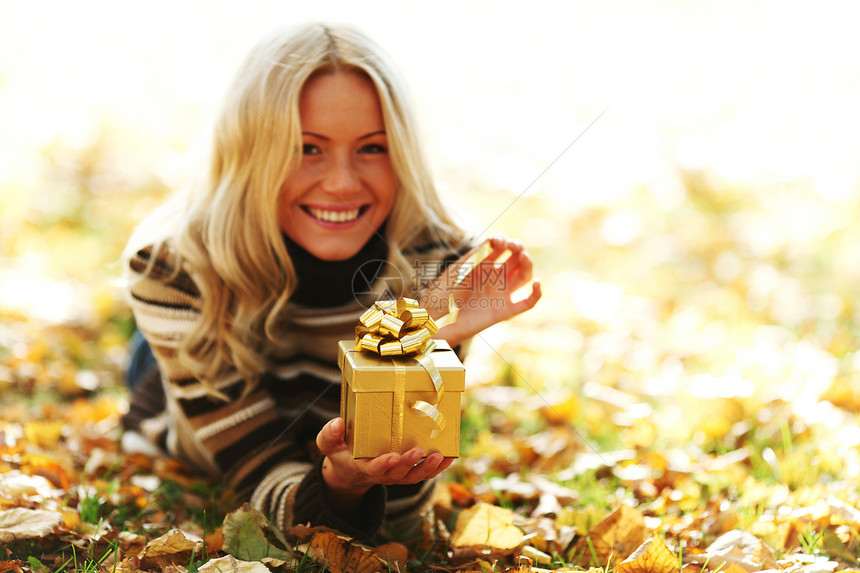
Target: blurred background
(685, 175)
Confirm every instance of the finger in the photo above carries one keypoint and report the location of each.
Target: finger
(501, 245)
(419, 471)
(474, 249)
(513, 245)
(429, 468)
(379, 466)
(408, 460)
(530, 301)
(330, 437)
(444, 465)
(520, 264)
(518, 272)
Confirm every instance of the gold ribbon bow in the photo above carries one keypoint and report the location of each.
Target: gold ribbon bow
(402, 330)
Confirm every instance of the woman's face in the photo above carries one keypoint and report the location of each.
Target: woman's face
(345, 186)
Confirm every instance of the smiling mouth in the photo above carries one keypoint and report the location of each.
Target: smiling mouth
(335, 216)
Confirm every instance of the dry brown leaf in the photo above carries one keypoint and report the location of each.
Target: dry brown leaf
(733, 568)
(169, 469)
(306, 532)
(173, 542)
(784, 535)
(460, 494)
(536, 555)
(739, 549)
(651, 557)
(615, 537)
(341, 555)
(841, 512)
(11, 566)
(230, 564)
(14, 484)
(395, 554)
(21, 523)
(442, 501)
(127, 565)
(547, 505)
(486, 525)
(131, 543)
(215, 540)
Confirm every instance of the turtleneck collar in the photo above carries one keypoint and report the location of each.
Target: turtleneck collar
(324, 284)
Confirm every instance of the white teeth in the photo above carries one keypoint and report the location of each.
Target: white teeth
(334, 216)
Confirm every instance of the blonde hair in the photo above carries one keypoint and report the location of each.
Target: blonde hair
(228, 235)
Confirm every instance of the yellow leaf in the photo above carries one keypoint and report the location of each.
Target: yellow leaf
(651, 557)
(563, 411)
(487, 525)
(341, 555)
(56, 471)
(88, 411)
(614, 538)
(71, 517)
(43, 434)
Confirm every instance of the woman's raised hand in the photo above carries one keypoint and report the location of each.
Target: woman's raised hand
(485, 296)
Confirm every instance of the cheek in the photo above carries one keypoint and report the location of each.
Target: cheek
(388, 186)
(282, 216)
(297, 184)
(292, 190)
(285, 206)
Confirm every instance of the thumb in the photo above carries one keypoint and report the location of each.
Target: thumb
(330, 437)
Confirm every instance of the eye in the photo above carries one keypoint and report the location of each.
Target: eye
(373, 148)
(310, 149)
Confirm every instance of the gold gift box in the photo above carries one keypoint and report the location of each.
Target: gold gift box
(369, 406)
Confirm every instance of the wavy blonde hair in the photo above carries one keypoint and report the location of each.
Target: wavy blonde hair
(226, 231)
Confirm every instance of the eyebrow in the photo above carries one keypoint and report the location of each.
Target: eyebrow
(324, 138)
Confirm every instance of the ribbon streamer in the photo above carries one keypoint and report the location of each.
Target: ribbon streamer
(464, 271)
(401, 328)
(397, 407)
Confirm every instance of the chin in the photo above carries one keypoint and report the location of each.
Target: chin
(336, 252)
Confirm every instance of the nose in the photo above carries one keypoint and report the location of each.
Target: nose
(341, 177)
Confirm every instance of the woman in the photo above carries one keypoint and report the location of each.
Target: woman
(243, 287)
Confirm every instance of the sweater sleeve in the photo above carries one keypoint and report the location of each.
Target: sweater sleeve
(312, 506)
(245, 438)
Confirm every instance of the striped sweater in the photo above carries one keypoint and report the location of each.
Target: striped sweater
(263, 443)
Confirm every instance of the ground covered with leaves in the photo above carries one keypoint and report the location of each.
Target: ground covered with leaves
(685, 398)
